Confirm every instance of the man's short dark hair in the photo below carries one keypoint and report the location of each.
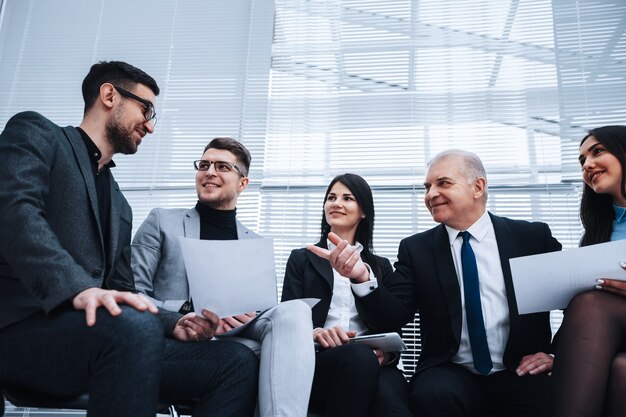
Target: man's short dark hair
(115, 72)
(235, 147)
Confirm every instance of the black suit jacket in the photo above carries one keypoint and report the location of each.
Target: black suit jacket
(51, 244)
(309, 276)
(425, 280)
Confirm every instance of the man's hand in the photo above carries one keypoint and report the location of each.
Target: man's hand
(344, 259)
(92, 298)
(229, 323)
(192, 328)
(332, 337)
(614, 286)
(539, 363)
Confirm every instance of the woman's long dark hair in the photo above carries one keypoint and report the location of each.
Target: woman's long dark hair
(596, 210)
(362, 192)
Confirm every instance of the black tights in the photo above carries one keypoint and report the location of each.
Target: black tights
(590, 363)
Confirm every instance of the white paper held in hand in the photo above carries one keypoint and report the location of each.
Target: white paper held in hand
(230, 277)
(549, 281)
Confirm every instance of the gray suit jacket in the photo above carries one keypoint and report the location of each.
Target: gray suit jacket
(51, 245)
(157, 260)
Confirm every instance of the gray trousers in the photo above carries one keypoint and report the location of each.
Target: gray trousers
(283, 339)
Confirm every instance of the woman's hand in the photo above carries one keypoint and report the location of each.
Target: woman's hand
(332, 337)
(614, 286)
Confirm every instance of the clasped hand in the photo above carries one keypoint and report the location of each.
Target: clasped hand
(191, 327)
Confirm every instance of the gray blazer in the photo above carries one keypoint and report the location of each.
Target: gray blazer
(157, 260)
(51, 245)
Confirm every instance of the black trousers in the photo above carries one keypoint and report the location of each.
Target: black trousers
(452, 391)
(125, 363)
(349, 381)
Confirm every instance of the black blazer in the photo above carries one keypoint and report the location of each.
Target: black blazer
(309, 276)
(51, 244)
(425, 280)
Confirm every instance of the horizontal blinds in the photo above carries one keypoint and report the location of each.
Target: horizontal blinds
(378, 88)
(211, 60)
(315, 89)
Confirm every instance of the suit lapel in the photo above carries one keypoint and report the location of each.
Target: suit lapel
(243, 232)
(507, 250)
(448, 279)
(322, 266)
(191, 224)
(80, 152)
(114, 219)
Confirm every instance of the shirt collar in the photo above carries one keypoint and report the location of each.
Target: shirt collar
(92, 149)
(478, 230)
(620, 213)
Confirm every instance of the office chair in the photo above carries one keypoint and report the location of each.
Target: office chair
(27, 399)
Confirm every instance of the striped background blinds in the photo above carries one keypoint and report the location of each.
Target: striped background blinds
(315, 88)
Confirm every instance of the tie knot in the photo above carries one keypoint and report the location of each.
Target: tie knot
(465, 235)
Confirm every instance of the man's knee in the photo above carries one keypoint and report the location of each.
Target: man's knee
(434, 396)
(291, 313)
(131, 330)
(238, 356)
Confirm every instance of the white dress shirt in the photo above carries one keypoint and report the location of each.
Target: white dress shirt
(493, 297)
(342, 311)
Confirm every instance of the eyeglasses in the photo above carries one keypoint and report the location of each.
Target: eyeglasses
(220, 166)
(149, 113)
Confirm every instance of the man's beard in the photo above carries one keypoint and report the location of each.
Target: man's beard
(120, 138)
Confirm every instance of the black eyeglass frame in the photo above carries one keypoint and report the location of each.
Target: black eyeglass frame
(196, 165)
(149, 113)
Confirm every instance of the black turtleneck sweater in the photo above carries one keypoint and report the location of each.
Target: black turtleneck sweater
(217, 224)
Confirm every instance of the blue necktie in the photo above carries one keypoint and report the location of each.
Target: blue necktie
(473, 309)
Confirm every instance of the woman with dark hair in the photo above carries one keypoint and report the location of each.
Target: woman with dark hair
(590, 362)
(350, 379)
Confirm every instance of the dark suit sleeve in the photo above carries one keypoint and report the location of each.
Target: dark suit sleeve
(552, 245)
(293, 286)
(29, 147)
(392, 304)
(376, 319)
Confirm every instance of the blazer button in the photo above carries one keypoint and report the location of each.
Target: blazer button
(96, 273)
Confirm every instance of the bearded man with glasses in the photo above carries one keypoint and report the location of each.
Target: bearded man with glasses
(281, 336)
(71, 321)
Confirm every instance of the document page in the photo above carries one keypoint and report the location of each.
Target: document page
(230, 277)
(549, 281)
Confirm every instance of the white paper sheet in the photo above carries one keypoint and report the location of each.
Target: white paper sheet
(230, 277)
(549, 281)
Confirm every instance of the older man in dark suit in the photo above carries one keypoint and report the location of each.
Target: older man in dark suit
(69, 320)
(478, 354)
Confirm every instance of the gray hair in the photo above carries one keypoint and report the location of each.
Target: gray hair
(471, 166)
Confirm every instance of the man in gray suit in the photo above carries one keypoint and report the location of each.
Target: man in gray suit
(70, 321)
(284, 331)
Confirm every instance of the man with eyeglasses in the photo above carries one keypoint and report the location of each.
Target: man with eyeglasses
(282, 335)
(71, 321)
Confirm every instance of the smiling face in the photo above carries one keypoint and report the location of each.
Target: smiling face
(602, 171)
(342, 211)
(127, 125)
(451, 198)
(220, 190)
